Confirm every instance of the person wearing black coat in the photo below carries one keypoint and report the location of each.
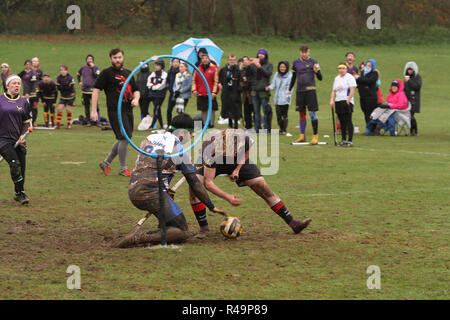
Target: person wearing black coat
(229, 79)
(141, 82)
(171, 75)
(413, 85)
(367, 87)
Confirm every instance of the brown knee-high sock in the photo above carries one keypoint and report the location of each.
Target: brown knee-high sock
(46, 118)
(69, 118)
(59, 118)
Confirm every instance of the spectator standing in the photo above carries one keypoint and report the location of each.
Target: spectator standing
(246, 87)
(182, 88)
(211, 73)
(229, 79)
(367, 87)
(413, 86)
(261, 70)
(157, 89)
(141, 82)
(342, 99)
(171, 74)
(350, 59)
(282, 98)
(86, 78)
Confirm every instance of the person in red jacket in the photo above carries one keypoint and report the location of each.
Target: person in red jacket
(211, 72)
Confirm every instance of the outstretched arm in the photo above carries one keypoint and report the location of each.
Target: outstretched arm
(197, 187)
(209, 174)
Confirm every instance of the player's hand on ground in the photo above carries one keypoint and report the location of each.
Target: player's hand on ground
(94, 116)
(235, 200)
(217, 210)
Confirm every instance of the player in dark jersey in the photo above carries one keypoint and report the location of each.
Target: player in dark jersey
(86, 78)
(48, 94)
(28, 76)
(143, 189)
(304, 71)
(34, 99)
(66, 86)
(228, 153)
(111, 80)
(15, 119)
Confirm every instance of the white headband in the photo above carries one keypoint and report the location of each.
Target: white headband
(14, 77)
(5, 65)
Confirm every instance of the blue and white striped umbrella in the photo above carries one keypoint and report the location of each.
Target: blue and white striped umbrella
(189, 50)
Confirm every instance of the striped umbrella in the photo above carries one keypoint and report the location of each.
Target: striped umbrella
(189, 50)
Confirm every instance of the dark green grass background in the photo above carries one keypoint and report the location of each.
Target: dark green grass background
(385, 202)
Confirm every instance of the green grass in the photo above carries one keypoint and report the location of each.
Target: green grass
(385, 202)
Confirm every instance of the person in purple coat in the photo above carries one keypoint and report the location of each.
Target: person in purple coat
(15, 119)
(87, 75)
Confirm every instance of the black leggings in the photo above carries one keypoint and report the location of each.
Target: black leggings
(346, 126)
(413, 123)
(233, 123)
(367, 107)
(16, 158)
(282, 116)
(248, 111)
(170, 107)
(143, 104)
(157, 114)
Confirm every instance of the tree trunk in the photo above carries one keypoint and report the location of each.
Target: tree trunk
(212, 14)
(190, 14)
(231, 17)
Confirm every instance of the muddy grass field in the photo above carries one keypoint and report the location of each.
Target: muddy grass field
(384, 202)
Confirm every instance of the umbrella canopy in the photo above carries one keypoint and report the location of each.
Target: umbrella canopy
(189, 50)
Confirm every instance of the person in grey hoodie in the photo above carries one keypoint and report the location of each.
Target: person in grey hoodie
(260, 71)
(282, 99)
(413, 85)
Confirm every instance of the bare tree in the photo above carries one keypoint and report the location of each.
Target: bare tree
(212, 14)
(190, 14)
